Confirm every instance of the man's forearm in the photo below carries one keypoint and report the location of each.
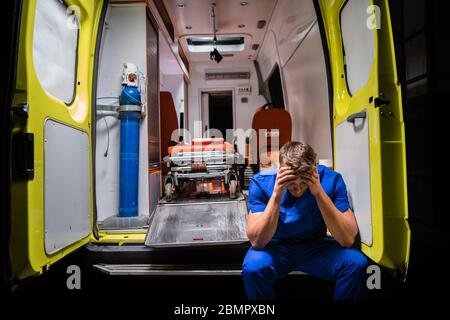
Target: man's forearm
(264, 224)
(342, 226)
(270, 217)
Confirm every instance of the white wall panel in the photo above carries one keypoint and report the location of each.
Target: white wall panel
(66, 186)
(292, 19)
(353, 162)
(268, 56)
(306, 86)
(175, 85)
(293, 42)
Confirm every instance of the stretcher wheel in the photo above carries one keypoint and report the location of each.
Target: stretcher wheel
(169, 191)
(233, 189)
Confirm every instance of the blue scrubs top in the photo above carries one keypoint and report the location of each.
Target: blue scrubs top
(299, 217)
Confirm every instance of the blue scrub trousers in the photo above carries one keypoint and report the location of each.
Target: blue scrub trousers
(322, 258)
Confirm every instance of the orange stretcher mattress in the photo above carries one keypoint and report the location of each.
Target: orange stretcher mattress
(202, 145)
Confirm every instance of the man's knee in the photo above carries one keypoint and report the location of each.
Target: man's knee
(355, 261)
(257, 264)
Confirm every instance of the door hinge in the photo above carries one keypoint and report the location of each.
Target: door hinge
(23, 156)
(380, 102)
(21, 111)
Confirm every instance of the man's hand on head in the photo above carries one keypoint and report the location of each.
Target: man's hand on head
(285, 176)
(313, 182)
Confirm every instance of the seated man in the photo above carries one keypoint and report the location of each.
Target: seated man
(287, 230)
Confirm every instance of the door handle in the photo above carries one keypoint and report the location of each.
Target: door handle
(358, 115)
(154, 165)
(23, 156)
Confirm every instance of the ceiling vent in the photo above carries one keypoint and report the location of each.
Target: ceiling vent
(227, 75)
(223, 44)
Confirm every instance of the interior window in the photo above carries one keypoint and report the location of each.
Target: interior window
(276, 89)
(55, 41)
(358, 42)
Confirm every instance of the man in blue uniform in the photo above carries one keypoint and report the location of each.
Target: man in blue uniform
(290, 211)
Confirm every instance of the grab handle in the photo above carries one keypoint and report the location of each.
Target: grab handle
(359, 115)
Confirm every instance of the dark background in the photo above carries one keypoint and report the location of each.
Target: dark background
(422, 37)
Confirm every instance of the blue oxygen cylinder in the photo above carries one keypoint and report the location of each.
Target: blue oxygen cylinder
(129, 115)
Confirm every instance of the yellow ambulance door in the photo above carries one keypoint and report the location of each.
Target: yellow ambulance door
(368, 127)
(52, 201)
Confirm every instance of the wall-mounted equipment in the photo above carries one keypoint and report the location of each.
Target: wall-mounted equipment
(212, 75)
(244, 90)
(130, 113)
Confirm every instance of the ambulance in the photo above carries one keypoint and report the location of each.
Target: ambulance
(136, 125)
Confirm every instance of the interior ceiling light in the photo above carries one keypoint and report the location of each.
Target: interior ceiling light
(261, 24)
(241, 26)
(244, 3)
(180, 5)
(188, 27)
(215, 55)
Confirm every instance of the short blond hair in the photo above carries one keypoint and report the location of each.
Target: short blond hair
(299, 156)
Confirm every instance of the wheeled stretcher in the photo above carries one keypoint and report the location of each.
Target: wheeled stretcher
(207, 166)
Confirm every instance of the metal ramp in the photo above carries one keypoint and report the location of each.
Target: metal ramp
(215, 221)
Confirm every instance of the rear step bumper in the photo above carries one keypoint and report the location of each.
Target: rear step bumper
(114, 254)
(171, 270)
